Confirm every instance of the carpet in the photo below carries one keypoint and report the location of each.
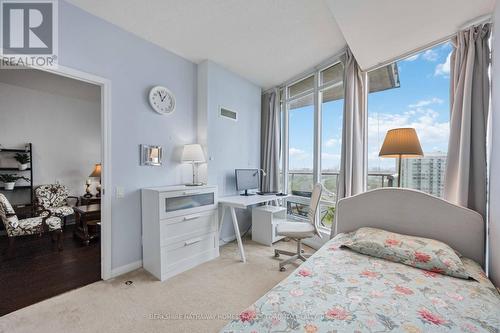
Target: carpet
(202, 299)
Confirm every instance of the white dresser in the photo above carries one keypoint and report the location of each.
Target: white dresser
(179, 228)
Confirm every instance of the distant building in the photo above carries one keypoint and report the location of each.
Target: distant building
(425, 174)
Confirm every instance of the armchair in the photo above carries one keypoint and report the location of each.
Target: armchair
(54, 198)
(43, 222)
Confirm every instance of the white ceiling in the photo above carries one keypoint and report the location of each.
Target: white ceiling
(271, 41)
(265, 41)
(380, 30)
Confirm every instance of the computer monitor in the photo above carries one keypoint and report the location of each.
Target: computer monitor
(247, 179)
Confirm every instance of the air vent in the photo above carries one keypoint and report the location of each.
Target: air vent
(226, 113)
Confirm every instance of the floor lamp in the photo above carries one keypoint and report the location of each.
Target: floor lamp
(401, 143)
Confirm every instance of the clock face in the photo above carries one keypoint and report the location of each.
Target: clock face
(162, 100)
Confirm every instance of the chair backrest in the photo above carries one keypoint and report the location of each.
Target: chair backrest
(7, 214)
(51, 195)
(313, 207)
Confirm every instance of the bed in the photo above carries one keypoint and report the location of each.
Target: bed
(340, 290)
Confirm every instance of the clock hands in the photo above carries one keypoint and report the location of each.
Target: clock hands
(162, 97)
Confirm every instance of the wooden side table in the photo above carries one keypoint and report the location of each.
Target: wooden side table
(89, 201)
(88, 222)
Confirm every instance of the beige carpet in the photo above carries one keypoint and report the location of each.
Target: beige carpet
(205, 296)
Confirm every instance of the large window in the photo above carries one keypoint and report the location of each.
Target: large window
(311, 135)
(421, 102)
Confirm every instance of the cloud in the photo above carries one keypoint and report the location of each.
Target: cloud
(295, 152)
(430, 55)
(332, 142)
(426, 102)
(444, 68)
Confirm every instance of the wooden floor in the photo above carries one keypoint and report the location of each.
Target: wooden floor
(38, 271)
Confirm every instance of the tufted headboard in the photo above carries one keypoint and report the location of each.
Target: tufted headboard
(415, 213)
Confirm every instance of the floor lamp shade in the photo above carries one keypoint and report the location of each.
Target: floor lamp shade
(401, 143)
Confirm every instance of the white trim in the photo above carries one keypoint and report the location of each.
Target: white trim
(126, 268)
(105, 84)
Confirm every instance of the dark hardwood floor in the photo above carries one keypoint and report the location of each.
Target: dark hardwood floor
(38, 271)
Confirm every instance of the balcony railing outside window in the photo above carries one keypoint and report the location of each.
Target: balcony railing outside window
(300, 187)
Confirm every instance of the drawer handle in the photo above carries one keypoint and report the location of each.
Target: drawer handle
(192, 241)
(189, 218)
(191, 193)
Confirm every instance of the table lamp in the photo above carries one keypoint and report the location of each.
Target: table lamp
(401, 143)
(193, 153)
(97, 174)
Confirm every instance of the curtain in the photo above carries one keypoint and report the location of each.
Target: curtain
(353, 160)
(465, 177)
(270, 141)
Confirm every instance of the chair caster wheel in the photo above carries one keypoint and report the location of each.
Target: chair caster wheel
(302, 251)
(276, 255)
(282, 269)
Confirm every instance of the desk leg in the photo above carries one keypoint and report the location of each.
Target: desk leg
(237, 233)
(221, 221)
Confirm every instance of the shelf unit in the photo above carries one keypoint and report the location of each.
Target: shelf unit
(28, 173)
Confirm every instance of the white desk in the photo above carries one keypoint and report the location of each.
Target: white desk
(242, 202)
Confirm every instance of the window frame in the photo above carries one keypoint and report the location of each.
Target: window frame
(316, 91)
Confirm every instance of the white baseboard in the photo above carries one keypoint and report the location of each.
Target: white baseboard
(126, 268)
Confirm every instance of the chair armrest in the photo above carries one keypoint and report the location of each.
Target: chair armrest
(75, 198)
(38, 211)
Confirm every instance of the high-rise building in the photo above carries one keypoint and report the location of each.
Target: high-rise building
(425, 174)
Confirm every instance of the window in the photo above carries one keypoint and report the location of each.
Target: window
(311, 135)
(422, 102)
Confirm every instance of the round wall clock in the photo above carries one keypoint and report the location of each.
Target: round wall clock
(162, 100)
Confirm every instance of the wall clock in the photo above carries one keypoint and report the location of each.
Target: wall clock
(162, 100)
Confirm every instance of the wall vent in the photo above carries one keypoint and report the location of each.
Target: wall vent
(229, 114)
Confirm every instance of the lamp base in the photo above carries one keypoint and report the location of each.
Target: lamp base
(194, 184)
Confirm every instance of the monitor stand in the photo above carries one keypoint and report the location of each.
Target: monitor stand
(246, 194)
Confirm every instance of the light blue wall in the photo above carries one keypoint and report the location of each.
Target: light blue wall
(230, 145)
(133, 65)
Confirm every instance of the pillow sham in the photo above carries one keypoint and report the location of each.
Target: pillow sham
(423, 253)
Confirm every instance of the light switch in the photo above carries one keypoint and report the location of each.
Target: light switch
(120, 192)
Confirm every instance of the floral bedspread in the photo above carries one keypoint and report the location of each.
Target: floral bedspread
(338, 290)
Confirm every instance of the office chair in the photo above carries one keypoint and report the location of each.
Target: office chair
(300, 230)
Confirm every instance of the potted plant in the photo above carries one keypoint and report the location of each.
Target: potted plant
(23, 159)
(10, 180)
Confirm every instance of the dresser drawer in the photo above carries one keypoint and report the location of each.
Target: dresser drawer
(185, 227)
(183, 253)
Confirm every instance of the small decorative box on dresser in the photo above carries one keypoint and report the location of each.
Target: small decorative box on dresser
(179, 228)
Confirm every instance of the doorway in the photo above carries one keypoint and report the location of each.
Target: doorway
(62, 115)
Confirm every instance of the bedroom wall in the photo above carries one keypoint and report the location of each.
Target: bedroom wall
(229, 144)
(133, 66)
(61, 117)
(494, 208)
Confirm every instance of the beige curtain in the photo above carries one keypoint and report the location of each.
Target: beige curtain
(270, 141)
(353, 161)
(465, 177)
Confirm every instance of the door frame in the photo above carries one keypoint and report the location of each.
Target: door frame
(106, 222)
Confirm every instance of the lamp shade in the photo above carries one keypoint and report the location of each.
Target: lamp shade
(401, 142)
(193, 153)
(97, 171)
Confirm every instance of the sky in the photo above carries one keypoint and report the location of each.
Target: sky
(422, 102)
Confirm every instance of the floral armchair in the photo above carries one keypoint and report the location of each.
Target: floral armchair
(43, 222)
(54, 198)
